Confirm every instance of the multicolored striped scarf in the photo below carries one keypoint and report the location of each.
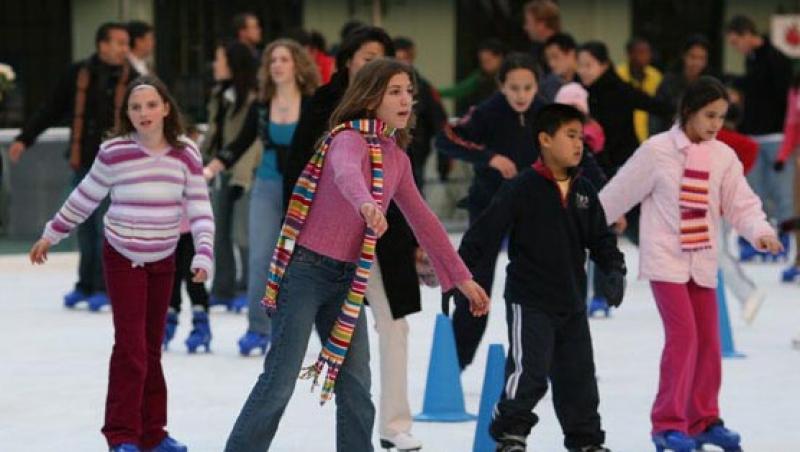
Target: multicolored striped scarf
(693, 200)
(335, 348)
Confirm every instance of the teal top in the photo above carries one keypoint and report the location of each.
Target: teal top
(279, 134)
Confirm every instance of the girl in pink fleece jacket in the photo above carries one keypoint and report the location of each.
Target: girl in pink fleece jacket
(686, 180)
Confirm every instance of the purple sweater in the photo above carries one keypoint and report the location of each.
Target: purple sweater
(148, 194)
(335, 227)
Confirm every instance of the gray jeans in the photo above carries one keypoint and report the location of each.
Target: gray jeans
(311, 294)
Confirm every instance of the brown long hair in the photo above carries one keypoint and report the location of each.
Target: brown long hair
(173, 123)
(305, 72)
(366, 91)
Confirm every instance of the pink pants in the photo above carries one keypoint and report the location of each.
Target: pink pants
(691, 363)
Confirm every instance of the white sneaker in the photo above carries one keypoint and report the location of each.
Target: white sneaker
(752, 305)
(402, 441)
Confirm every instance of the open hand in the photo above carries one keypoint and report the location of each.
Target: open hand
(769, 243)
(503, 164)
(374, 218)
(39, 251)
(15, 151)
(478, 300)
(199, 276)
(212, 169)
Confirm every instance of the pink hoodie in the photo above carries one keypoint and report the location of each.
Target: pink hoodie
(652, 176)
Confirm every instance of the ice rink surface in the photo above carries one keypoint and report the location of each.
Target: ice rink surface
(55, 364)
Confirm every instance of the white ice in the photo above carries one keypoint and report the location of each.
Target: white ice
(54, 365)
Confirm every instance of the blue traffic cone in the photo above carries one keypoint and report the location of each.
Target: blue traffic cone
(493, 380)
(444, 398)
(725, 332)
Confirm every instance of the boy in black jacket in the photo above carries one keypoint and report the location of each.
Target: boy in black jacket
(554, 217)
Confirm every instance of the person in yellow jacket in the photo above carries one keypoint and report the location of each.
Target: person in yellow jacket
(641, 75)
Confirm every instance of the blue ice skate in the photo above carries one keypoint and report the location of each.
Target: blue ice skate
(172, 325)
(97, 301)
(75, 297)
(599, 304)
(718, 435)
(252, 340)
(674, 441)
(219, 301)
(169, 444)
(238, 304)
(124, 448)
(791, 274)
(747, 251)
(201, 332)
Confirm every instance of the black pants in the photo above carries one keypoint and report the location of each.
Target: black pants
(90, 246)
(543, 346)
(224, 200)
(468, 329)
(183, 272)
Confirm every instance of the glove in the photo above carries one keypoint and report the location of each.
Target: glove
(613, 288)
(778, 166)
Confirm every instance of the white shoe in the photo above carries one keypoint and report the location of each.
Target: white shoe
(402, 441)
(752, 305)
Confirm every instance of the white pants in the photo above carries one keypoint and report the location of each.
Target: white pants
(735, 278)
(394, 413)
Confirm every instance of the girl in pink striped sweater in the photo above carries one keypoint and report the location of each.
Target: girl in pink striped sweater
(150, 171)
(686, 180)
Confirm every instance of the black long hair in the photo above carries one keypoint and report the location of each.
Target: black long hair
(243, 71)
(698, 94)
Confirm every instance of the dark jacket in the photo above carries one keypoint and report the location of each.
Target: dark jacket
(431, 117)
(612, 102)
(493, 127)
(765, 87)
(98, 110)
(397, 247)
(256, 125)
(548, 240)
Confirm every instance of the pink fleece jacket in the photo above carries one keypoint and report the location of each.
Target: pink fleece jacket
(652, 176)
(335, 227)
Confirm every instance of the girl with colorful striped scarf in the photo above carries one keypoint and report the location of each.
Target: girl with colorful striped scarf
(322, 261)
(686, 180)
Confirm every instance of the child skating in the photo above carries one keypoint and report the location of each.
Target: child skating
(149, 170)
(686, 181)
(554, 217)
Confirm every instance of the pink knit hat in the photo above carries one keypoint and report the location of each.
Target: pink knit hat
(574, 94)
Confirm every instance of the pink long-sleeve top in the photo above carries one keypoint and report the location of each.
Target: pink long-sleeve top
(335, 227)
(652, 176)
(150, 194)
(791, 127)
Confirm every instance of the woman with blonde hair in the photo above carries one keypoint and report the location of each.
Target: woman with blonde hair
(287, 78)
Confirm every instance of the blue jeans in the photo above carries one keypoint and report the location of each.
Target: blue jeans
(776, 189)
(266, 212)
(312, 292)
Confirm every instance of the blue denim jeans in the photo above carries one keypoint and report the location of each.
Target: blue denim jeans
(266, 212)
(311, 294)
(776, 189)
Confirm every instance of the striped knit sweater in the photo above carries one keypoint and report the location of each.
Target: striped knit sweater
(148, 192)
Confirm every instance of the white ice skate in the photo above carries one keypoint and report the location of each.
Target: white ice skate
(402, 442)
(752, 305)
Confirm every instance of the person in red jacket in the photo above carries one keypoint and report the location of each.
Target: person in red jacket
(791, 139)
